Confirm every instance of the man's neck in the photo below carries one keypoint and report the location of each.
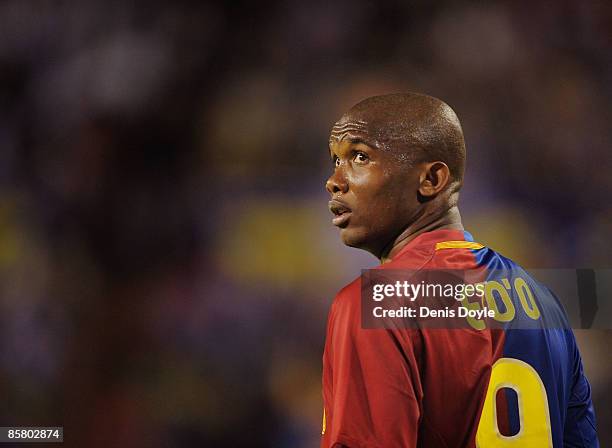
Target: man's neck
(451, 220)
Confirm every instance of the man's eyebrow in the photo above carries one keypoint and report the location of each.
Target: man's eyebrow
(354, 141)
(362, 141)
(358, 140)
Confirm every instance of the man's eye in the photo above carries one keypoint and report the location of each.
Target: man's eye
(336, 161)
(361, 157)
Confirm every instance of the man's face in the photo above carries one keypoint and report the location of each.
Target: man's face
(373, 195)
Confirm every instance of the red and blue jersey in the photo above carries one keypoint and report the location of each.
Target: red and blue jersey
(516, 386)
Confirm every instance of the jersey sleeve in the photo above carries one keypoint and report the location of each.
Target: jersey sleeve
(579, 428)
(375, 387)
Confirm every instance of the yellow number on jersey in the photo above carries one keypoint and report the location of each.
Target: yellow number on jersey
(535, 430)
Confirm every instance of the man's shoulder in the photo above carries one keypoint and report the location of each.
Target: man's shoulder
(349, 295)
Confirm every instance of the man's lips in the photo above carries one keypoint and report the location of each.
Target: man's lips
(341, 211)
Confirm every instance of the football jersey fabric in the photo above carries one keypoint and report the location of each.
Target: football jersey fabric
(437, 388)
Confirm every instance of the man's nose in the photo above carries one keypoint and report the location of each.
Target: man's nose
(337, 182)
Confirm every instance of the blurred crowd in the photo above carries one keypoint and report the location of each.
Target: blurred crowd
(166, 255)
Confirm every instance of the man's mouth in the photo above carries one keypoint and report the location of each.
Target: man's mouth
(341, 212)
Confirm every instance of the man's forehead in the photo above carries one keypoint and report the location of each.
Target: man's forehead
(350, 119)
(351, 129)
(362, 128)
(353, 138)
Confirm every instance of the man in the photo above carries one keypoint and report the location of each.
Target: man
(398, 168)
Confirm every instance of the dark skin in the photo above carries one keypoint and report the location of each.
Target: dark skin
(386, 190)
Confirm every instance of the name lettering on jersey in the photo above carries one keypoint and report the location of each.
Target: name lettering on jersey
(497, 298)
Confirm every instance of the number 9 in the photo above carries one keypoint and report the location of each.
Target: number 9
(534, 417)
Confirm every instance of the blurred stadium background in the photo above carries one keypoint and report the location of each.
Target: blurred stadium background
(166, 254)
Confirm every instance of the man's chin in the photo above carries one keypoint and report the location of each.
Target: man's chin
(359, 239)
(352, 238)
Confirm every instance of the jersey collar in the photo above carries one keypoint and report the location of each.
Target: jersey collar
(435, 239)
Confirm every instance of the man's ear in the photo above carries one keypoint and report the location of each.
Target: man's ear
(435, 176)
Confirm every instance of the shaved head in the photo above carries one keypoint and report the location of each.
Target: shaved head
(413, 127)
